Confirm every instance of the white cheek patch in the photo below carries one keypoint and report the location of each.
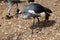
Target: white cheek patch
(31, 11)
(20, 11)
(42, 14)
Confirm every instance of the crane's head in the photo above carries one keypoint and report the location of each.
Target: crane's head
(26, 15)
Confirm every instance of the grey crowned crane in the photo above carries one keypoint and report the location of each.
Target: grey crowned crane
(36, 10)
(10, 5)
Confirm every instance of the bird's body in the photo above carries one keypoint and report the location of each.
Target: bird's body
(34, 10)
(10, 5)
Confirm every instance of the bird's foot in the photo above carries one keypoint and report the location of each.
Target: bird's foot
(38, 30)
(9, 17)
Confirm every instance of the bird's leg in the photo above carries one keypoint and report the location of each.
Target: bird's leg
(33, 24)
(38, 19)
(47, 17)
(39, 28)
(10, 4)
(9, 10)
(17, 11)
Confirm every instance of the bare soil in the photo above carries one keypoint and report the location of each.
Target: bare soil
(19, 29)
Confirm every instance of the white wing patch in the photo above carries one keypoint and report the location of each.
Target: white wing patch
(31, 11)
(42, 14)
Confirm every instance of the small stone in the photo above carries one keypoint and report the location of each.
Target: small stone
(18, 29)
(24, 27)
(39, 31)
(35, 35)
(19, 26)
(2, 31)
(54, 4)
(58, 34)
(50, 39)
(54, 28)
(6, 33)
(24, 39)
(1, 4)
(53, 38)
(15, 38)
(56, 0)
(30, 35)
(9, 22)
(28, 39)
(23, 31)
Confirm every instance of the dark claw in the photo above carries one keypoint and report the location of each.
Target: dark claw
(9, 13)
(8, 17)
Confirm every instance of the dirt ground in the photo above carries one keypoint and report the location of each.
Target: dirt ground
(19, 29)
